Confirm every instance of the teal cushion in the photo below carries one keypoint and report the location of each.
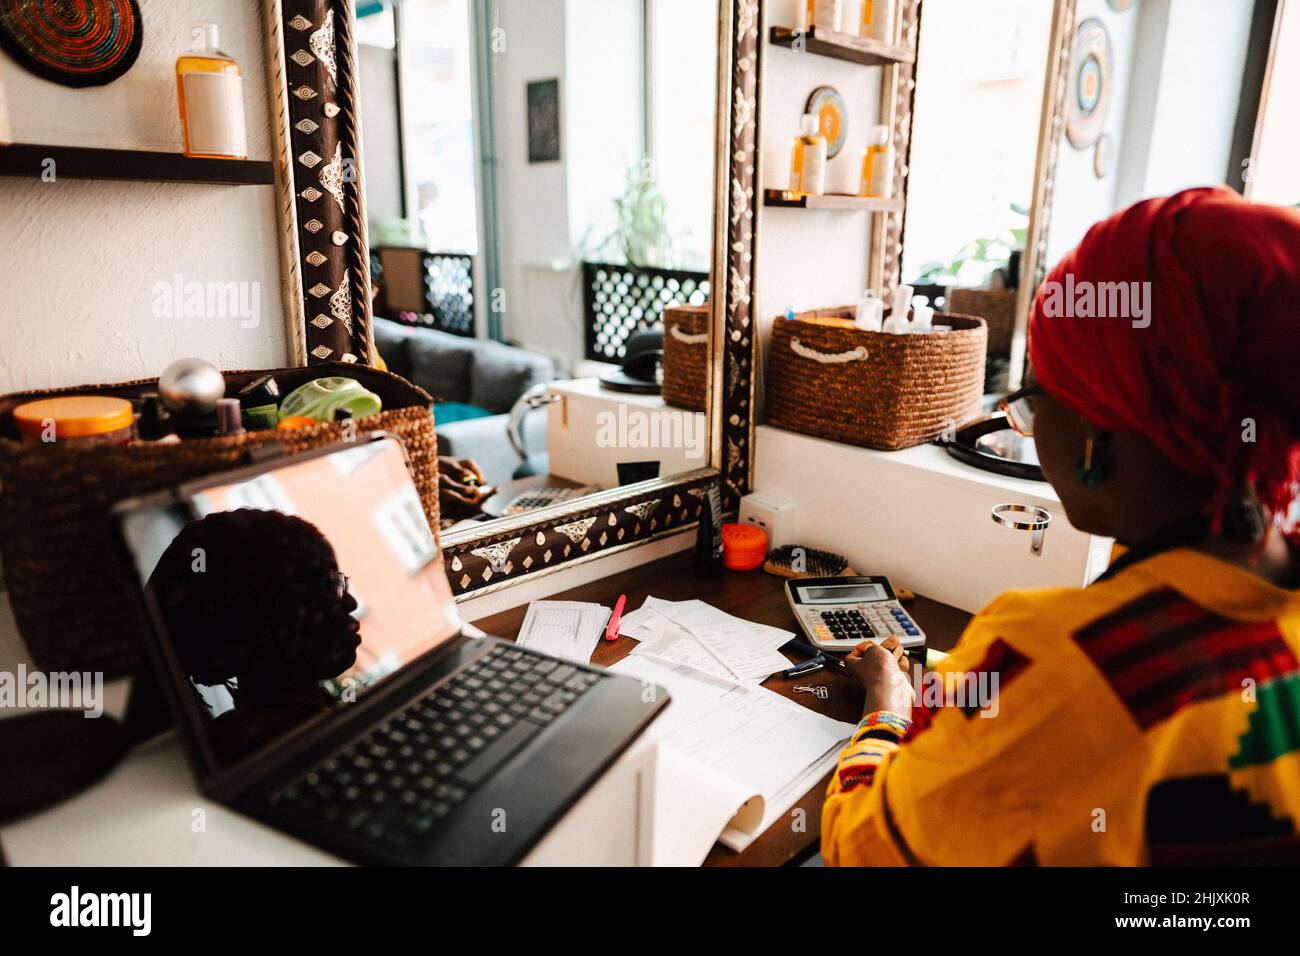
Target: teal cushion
(444, 413)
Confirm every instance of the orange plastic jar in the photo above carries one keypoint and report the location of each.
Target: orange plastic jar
(75, 420)
(744, 547)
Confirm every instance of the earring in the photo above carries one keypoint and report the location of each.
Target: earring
(1093, 466)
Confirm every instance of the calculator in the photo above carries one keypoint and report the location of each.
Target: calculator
(837, 614)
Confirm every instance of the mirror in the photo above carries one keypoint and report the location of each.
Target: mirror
(539, 186)
(975, 129)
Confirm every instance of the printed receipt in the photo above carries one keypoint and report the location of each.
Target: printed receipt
(567, 629)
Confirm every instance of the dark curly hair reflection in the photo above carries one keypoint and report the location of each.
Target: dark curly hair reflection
(254, 601)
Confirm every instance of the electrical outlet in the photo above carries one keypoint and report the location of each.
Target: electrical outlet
(774, 514)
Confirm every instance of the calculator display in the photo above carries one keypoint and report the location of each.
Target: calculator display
(842, 594)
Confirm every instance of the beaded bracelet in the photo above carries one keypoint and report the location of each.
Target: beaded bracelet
(882, 724)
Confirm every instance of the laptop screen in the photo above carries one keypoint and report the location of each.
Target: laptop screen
(282, 596)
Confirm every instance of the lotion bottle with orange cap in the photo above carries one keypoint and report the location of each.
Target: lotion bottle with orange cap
(211, 96)
(808, 159)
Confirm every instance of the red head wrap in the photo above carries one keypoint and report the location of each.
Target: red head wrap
(1204, 360)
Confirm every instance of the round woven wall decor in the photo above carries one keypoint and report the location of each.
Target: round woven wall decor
(73, 42)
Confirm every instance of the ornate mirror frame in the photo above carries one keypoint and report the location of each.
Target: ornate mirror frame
(1051, 127)
(897, 91)
(323, 224)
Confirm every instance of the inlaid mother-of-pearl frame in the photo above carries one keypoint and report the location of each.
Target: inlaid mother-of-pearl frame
(313, 62)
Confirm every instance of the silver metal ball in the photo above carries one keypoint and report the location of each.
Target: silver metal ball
(190, 387)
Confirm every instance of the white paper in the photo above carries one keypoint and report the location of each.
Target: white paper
(766, 747)
(692, 805)
(735, 642)
(706, 638)
(676, 646)
(566, 629)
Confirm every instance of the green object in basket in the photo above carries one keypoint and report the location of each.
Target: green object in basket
(322, 398)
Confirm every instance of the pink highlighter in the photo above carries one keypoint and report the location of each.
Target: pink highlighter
(611, 632)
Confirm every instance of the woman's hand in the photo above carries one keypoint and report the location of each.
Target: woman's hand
(462, 471)
(881, 670)
(461, 487)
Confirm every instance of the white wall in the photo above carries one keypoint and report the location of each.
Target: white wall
(1189, 138)
(1177, 74)
(532, 198)
(79, 259)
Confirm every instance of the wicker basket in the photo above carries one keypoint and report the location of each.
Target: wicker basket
(686, 355)
(873, 388)
(72, 604)
(997, 307)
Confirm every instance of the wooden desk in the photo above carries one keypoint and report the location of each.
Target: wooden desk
(754, 596)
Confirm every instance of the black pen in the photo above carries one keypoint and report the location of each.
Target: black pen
(827, 657)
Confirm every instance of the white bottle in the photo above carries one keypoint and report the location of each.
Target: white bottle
(808, 161)
(871, 313)
(922, 315)
(826, 14)
(211, 98)
(897, 321)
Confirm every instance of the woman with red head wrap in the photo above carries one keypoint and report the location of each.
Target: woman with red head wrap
(1155, 715)
(1205, 370)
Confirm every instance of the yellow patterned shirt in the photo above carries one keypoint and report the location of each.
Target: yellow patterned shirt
(1152, 717)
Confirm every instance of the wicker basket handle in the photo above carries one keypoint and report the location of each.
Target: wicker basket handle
(686, 337)
(858, 354)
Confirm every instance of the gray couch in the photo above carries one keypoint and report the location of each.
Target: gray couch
(475, 382)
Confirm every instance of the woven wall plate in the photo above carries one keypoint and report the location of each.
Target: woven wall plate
(827, 105)
(73, 42)
(1091, 78)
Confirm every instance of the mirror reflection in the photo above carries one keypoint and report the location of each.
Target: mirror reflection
(539, 180)
(979, 94)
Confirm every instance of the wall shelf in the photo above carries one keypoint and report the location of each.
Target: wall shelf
(843, 46)
(131, 165)
(780, 199)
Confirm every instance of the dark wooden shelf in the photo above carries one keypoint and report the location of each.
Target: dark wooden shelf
(131, 165)
(840, 202)
(844, 46)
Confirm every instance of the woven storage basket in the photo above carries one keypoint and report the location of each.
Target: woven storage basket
(73, 606)
(686, 355)
(873, 388)
(997, 307)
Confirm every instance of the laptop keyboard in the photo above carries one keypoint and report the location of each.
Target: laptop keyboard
(395, 783)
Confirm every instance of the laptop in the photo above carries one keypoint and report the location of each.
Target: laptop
(301, 625)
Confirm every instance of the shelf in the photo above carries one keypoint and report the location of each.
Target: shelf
(131, 165)
(843, 46)
(781, 199)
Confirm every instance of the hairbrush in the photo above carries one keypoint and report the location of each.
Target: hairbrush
(796, 561)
